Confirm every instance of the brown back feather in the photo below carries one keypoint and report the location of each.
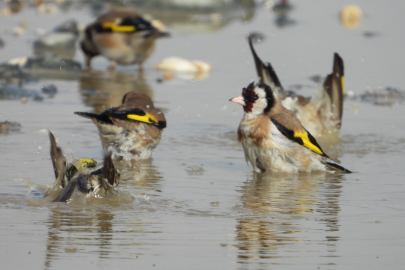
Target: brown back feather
(141, 101)
(285, 117)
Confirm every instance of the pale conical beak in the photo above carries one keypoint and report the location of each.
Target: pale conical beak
(239, 99)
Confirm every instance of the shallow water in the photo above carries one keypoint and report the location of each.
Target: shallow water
(197, 205)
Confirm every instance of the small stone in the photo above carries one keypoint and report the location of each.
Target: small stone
(70, 250)
(351, 16)
(49, 89)
(18, 31)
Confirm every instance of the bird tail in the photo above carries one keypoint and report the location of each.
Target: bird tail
(266, 72)
(331, 163)
(76, 183)
(100, 117)
(67, 191)
(334, 87)
(87, 114)
(156, 34)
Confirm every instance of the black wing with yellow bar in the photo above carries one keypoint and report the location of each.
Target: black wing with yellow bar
(303, 138)
(126, 25)
(136, 115)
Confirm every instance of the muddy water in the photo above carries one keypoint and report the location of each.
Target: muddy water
(197, 205)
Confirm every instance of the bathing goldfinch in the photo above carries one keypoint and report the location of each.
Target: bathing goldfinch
(132, 130)
(122, 36)
(321, 114)
(274, 139)
(82, 175)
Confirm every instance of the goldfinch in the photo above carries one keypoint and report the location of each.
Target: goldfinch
(122, 36)
(82, 175)
(132, 130)
(7, 126)
(274, 139)
(321, 114)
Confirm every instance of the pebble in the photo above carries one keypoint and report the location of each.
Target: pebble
(49, 89)
(178, 64)
(18, 31)
(351, 16)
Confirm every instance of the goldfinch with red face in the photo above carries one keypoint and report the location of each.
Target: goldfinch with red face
(321, 114)
(122, 36)
(274, 139)
(132, 130)
(82, 175)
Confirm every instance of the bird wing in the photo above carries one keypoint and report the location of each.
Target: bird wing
(266, 72)
(137, 115)
(296, 132)
(59, 161)
(291, 128)
(122, 21)
(334, 87)
(109, 172)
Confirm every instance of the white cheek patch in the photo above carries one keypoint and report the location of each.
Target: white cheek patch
(260, 92)
(261, 102)
(259, 106)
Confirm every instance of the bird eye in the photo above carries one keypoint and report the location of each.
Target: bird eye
(255, 98)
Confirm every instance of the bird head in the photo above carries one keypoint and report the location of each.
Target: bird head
(76, 165)
(256, 99)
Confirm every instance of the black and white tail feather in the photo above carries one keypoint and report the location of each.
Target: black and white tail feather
(327, 101)
(333, 165)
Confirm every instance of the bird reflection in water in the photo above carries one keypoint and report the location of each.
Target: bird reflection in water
(140, 176)
(282, 10)
(197, 16)
(100, 225)
(277, 206)
(94, 229)
(105, 89)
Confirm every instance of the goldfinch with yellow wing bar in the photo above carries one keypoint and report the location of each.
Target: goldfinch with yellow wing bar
(322, 113)
(132, 130)
(122, 36)
(82, 175)
(274, 139)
